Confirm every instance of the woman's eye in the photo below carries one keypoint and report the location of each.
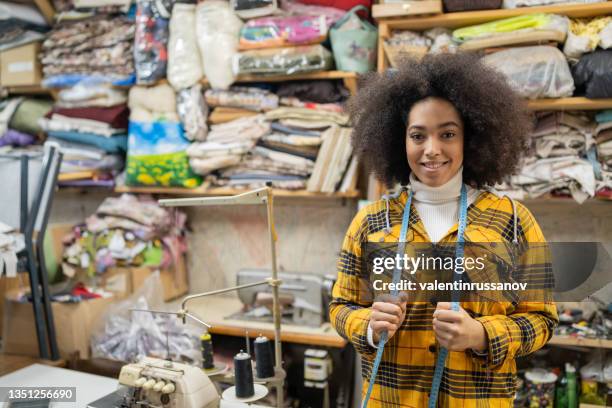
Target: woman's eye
(416, 136)
(448, 135)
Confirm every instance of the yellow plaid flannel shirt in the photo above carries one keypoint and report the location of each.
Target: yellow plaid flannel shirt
(406, 371)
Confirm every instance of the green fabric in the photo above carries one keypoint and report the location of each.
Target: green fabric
(354, 49)
(153, 255)
(502, 26)
(25, 118)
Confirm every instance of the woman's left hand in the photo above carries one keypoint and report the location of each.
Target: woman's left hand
(458, 331)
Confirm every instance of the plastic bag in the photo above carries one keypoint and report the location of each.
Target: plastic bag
(285, 61)
(354, 42)
(128, 336)
(584, 35)
(534, 72)
(184, 60)
(150, 39)
(156, 156)
(605, 36)
(513, 24)
(254, 8)
(593, 74)
(269, 32)
(193, 111)
(218, 32)
(509, 4)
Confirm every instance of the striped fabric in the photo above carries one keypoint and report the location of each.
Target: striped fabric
(406, 371)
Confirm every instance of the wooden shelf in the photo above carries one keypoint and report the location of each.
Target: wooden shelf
(221, 191)
(583, 405)
(573, 103)
(466, 18)
(29, 90)
(580, 342)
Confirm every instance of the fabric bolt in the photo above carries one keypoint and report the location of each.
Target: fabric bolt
(604, 136)
(13, 137)
(279, 127)
(160, 98)
(284, 61)
(208, 165)
(296, 103)
(562, 144)
(248, 128)
(307, 152)
(513, 329)
(90, 95)
(284, 158)
(242, 97)
(78, 151)
(114, 116)
(25, 118)
(115, 144)
(307, 115)
(604, 116)
(62, 123)
(212, 149)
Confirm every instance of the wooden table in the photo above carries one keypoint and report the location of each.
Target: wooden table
(214, 309)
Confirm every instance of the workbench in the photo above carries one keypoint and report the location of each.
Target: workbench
(214, 309)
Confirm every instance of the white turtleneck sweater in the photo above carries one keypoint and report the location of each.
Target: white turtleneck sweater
(438, 208)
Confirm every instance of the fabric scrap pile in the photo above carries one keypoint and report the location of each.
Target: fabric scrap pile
(603, 146)
(559, 163)
(125, 231)
(98, 47)
(20, 24)
(89, 123)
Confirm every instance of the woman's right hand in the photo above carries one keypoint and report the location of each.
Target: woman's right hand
(388, 313)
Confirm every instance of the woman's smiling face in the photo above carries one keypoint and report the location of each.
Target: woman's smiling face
(434, 141)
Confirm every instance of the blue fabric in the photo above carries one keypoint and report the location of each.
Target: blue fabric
(604, 116)
(114, 144)
(67, 80)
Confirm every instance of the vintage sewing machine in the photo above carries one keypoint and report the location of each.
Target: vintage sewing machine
(301, 298)
(153, 382)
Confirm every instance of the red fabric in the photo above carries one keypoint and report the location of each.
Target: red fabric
(81, 290)
(116, 116)
(341, 4)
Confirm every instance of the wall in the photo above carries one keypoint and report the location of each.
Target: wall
(223, 240)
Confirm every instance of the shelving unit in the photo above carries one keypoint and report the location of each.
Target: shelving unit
(203, 192)
(349, 78)
(466, 18)
(580, 342)
(574, 103)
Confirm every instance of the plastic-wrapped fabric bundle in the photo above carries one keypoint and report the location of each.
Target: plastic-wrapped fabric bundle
(510, 4)
(593, 74)
(534, 72)
(184, 60)
(254, 8)
(218, 32)
(242, 97)
(193, 111)
(279, 31)
(285, 61)
(517, 24)
(150, 52)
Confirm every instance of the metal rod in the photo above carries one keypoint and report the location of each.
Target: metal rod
(220, 291)
(250, 197)
(275, 301)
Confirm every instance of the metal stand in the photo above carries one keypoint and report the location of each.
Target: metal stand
(255, 197)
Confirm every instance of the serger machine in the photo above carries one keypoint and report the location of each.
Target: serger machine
(159, 383)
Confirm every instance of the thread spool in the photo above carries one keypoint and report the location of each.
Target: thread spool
(243, 375)
(263, 357)
(207, 351)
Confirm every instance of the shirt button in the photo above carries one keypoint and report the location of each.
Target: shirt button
(432, 348)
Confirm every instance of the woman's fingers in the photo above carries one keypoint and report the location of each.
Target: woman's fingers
(389, 308)
(380, 316)
(445, 327)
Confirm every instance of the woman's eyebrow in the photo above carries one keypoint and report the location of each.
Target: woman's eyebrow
(450, 123)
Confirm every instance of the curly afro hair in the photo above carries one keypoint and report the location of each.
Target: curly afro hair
(497, 123)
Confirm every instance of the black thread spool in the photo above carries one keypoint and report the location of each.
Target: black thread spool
(243, 375)
(263, 357)
(207, 351)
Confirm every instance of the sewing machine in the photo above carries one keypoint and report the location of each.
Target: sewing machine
(154, 382)
(301, 297)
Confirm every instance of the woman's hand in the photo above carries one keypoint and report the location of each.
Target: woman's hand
(388, 313)
(458, 331)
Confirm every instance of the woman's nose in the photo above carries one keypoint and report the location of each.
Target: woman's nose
(432, 146)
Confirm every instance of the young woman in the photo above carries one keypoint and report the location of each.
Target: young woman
(437, 125)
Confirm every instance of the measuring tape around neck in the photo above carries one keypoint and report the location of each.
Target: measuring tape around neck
(397, 273)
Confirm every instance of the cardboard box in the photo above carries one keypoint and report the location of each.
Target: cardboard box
(74, 324)
(20, 66)
(21, 281)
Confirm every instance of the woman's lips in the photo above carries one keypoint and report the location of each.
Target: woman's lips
(433, 166)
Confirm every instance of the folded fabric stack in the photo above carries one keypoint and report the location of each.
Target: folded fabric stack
(558, 164)
(125, 231)
(19, 120)
(91, 135)
(20, 24)
(226, 144)
(603, 146)
(98, 47)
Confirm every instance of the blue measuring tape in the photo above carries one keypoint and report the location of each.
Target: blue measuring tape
(397, 274)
